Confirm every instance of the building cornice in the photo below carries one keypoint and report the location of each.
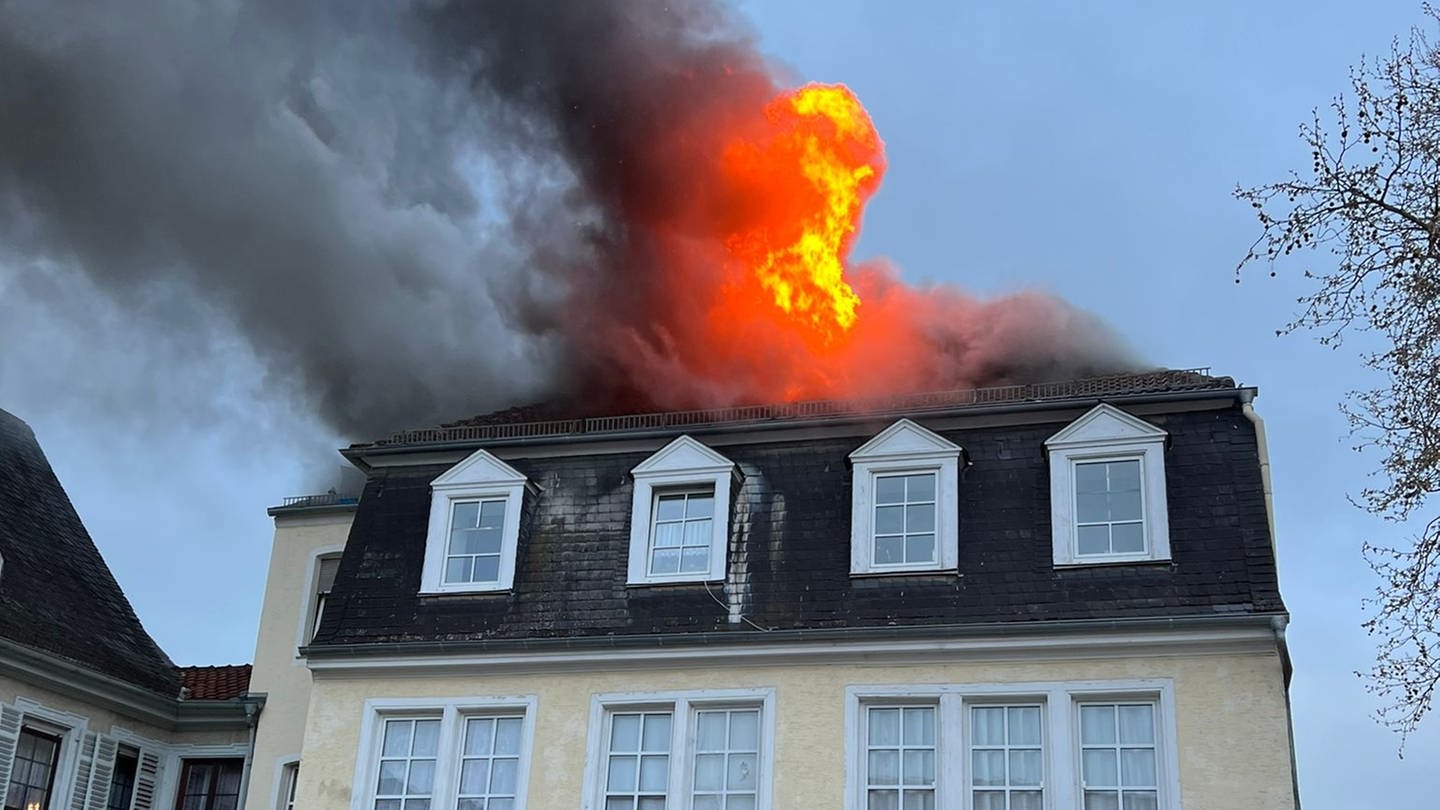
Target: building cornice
(29, 665)
(994, 642)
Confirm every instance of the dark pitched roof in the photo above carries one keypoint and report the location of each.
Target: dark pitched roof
(215, 683)
(566, 419)
(789, 547)
(56, 593)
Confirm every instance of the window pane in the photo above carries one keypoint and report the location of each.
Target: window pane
(1027, 800)
(507, 736)
(1125, 476)
(397, 738)
(1093, 539)
(889, 550)
(1137, 725)
(665, 561)
(740, 772)
(711, 734)
(457, 569)
(620, 803)
(1099, 768)
(920, 487)
(884, 727)
(669, 507)
(1097, 725)
(1092, 507)
(502, 776)
(651, 803)
(492, 515)
(427, 737)
(987, 725)
(919, 726)
(417, 804)
(1137, 767)
(380, 804)
(697, 533)
(695, 560)
(920, 548)
(622, 774)
(501, 804)
(654, 773)
(478, 731)
(669, 534)
(474, 776)
(744, 731)
(889, 519)
(657, 732)
(464, 515)
(487, 569)
(700, 506)
(884, 800)
(884, 768)
(890, 489)
(989, 767)
(1141, 800)
(392, 779)
(625, 732)
(1128, 537)
(1102, 800)
(709, 771)
(920, 518)
(1024, 725)
(919, 768)
(989, 800)
(1125, 505)
(422, 774)
(1026, 768)
(1090, 478)
(740, 803)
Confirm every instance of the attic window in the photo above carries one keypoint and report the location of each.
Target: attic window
(1107, 490)
(905, 512)
(679, 518)
(474, 527)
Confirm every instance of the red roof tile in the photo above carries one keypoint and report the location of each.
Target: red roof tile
(215, 683)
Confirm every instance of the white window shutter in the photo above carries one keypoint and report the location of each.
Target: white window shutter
(9, 738)
(81, 791)
(147, 782)
(101, 772)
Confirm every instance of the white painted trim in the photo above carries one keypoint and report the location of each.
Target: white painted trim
(682, 705)
(905, 447)
(72, 728)
(681, 463)
(1061, 645)
(451, 712)
(280, 766)
(172, 765)
(312, 584)
(1106, 433)
(1060, 713)
(480, 476)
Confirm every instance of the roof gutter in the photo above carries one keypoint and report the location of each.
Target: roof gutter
(356, 453)
(321, 652)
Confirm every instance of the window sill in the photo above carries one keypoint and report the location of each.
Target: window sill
(665, 583)
(1113, 562)
(452, 592)
(903, 572)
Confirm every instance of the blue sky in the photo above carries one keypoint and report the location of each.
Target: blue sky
(1090, 151)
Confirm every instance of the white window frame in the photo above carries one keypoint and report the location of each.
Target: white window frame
(905, 448)
(1060, 728)
(1104, 434)
(71, 729)
(683, 706)
(304, 632)
(481, 476)
(289, 780)
(452, 713)
(682, 464)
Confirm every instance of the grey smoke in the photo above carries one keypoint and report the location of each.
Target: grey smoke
(409, 211)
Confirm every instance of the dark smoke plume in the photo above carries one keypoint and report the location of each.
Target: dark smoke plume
(417, 211)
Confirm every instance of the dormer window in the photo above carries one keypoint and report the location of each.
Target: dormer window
(679, 521)
(474, 527)
(1107, 490)
(905, 511)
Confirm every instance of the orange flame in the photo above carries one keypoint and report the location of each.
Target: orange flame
(817, 161)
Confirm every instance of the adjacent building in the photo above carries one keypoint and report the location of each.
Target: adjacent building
(1042, 596)
(93, 714)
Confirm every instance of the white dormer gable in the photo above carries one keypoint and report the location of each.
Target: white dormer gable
(479, 468)
(682, 456)
(1107, 490)
(905, 513)
(1106, 424)
(474, 529)
(670, 540)
(907, 439)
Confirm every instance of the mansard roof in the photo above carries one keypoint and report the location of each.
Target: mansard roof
(56, 593)
(788, 563)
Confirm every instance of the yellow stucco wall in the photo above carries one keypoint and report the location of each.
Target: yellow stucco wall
(1230, 721)
(279, 672)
